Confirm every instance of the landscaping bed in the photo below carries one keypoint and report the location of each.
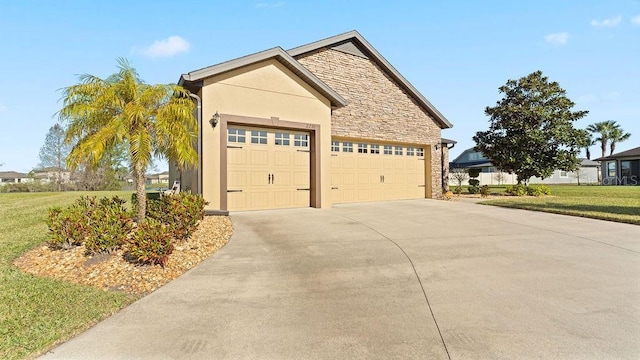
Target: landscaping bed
(114, 273)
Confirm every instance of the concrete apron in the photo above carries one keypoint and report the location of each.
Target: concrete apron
(336, 283)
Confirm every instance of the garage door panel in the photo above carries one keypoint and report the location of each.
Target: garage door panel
(378, 176)
(265, 169)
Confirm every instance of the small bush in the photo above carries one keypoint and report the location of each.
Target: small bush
(101, 225)
(538, 190)
(180, 213)
(474, 173)
(474, 182)
(448, 195)
(516, 190)
(485, 191)
(68, 227)
(150, 243)
(110, 225)
(473, 189)
(457, 190)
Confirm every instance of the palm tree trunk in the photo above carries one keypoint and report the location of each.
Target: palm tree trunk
(141, 196)
(603, 146)
(613, 148)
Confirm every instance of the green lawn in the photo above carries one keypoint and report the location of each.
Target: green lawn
(615, 203)
(38, 312)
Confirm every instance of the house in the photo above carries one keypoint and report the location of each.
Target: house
(160, 178)
(324, 123)
(588, 173)
(13, 177)
(622, 168)
(52, 174)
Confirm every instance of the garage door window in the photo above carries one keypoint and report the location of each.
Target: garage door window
(258, 137)
(420, 152)
(375, 149)
(347, 147)
(236, 135)
(283, 139)
(335, 146)
(388, 150)
(411, 151)
(399, 150)
(301, 140)
(362, 148)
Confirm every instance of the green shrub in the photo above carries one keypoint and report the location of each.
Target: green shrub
(473, 173)
(473, 189)
(110, 224)
(150, 243)
(152, 195)
(180, 213)
(474, 182)
(457, 190)
(538, 190)
(68, 227)
(102, 225)
(485, 191)
(516, 190)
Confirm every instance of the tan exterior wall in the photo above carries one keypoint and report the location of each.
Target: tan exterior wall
(445, 167)
(378, 108)
(263, 90)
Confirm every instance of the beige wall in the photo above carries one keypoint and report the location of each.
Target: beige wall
(263, 90)
(377, 107)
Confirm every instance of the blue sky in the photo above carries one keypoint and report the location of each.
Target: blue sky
(456, 53)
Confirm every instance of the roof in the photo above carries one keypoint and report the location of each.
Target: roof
(49, 169)
(447, 141)
(194, 78)
(635, 152)
(587, 163)
(12, 175)
(363, 45)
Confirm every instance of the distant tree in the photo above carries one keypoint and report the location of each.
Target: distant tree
(54, 153)
(500, 177)
(617, 135)
(459, 175)
(150, 120)
(602, 129)
(531, 129)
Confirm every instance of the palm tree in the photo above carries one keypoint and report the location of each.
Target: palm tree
(602, 129)
(617, 135)
(150, 120)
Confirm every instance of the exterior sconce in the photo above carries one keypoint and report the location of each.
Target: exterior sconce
(437, 146)
(214, 120)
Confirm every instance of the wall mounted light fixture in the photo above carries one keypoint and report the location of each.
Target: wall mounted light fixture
(214, 120)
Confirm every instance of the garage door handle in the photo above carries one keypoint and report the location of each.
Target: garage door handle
(269, 179)
(334, 188)
(234, 191)
(421, 185)
(234, 147)
(307, 189)
(304, 151)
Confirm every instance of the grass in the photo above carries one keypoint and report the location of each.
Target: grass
(36, 313)
(613, 203)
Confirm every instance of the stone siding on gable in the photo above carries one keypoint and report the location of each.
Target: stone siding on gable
(378, 109)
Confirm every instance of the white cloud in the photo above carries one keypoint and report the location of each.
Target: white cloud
(170, 46)
(557, 39)
(636, 20)
(273, 4)
(611, 22)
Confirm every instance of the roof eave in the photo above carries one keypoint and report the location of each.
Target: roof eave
(191, 78)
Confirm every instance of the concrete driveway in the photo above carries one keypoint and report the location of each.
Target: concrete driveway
(393, 280)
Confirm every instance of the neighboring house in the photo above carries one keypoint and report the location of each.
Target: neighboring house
(622, 168)
(471, 159)
(13, 177)
(51, 174)
(160, 178)
(324, 123)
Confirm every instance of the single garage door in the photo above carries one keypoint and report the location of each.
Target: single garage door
(267, 169)
(366, 171)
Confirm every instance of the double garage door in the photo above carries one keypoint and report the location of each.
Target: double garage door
(362, 171)
(270, 169)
